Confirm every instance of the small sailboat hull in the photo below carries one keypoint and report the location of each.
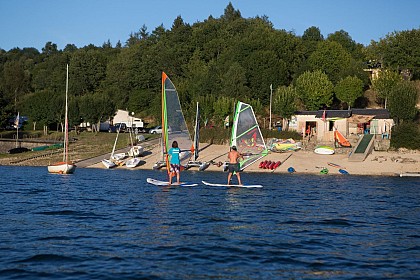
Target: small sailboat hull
(108, 163)
(62, 168)
(119, 156)
(158, 165)
(135, 151)
(133, 162)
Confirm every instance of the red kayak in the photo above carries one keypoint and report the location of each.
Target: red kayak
(277, 164)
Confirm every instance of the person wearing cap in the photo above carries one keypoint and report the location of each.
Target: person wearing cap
(234, 166)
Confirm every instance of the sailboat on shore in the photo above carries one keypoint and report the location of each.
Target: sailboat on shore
(134, 152)
(65, 166)
(114, 158)
(194, 162)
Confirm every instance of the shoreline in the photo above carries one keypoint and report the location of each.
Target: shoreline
(378, 163)
(390, 163)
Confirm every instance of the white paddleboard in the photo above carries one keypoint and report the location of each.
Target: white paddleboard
(226, 185)
(166, 183)
(324, 151)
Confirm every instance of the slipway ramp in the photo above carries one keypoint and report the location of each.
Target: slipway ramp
(363, 148)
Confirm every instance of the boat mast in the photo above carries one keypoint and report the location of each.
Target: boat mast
(115, 142)
(66, 124)
(197, 132)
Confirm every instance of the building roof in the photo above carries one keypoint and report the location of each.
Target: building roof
(333, 114)
(376, 113)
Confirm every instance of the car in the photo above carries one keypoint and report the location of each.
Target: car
(114, 128)
(156, 129)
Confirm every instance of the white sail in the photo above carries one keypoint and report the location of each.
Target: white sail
(246, 135)
(174, 127)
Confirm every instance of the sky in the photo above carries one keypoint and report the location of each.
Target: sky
(33, 23)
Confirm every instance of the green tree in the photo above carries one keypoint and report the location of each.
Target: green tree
(349, 89)
(314, 89)
(406, 135)
(15, 81)
(385, 83)
(234, 82)
(331, 58)
(284, 103)
(87, 71)
(399, 51)
(345, 40)
(313, 34)
(222, 107)
(230, 13)
(403, 100)
(310, 39)
(94, 108)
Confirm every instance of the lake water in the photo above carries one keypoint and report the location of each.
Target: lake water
(111, 224)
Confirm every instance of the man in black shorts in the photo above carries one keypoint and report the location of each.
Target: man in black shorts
(234, 166)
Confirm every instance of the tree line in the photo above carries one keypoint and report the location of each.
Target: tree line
(214, 62)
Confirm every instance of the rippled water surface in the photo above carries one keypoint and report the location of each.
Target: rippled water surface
(111, 224)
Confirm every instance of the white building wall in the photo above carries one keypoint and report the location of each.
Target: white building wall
(123, 116)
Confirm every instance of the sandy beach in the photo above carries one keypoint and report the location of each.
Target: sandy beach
(304, 162)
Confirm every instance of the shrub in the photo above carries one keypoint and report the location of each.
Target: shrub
(406, 135)
(280, 134)
(215, 135)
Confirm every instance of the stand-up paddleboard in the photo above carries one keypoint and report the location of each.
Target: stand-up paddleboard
(324, 150)
(236, 186)
(166, 183)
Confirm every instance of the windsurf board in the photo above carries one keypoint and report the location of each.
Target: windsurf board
(226, 185)
(166, 183)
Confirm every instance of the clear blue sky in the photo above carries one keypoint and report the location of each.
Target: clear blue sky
(32, 23)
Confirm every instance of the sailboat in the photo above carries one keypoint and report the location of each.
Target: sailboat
(195, 163)
(65, 166)
(174, 127)
(134, 152)
(111, 162)
(246, 135)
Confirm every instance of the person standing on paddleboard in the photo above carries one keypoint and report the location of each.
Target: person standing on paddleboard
(175, 164)
(234, 166)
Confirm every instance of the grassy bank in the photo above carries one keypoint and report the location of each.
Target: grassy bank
(82, 146)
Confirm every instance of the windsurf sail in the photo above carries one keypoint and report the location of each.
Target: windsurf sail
(246, 135)
(174, 127)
